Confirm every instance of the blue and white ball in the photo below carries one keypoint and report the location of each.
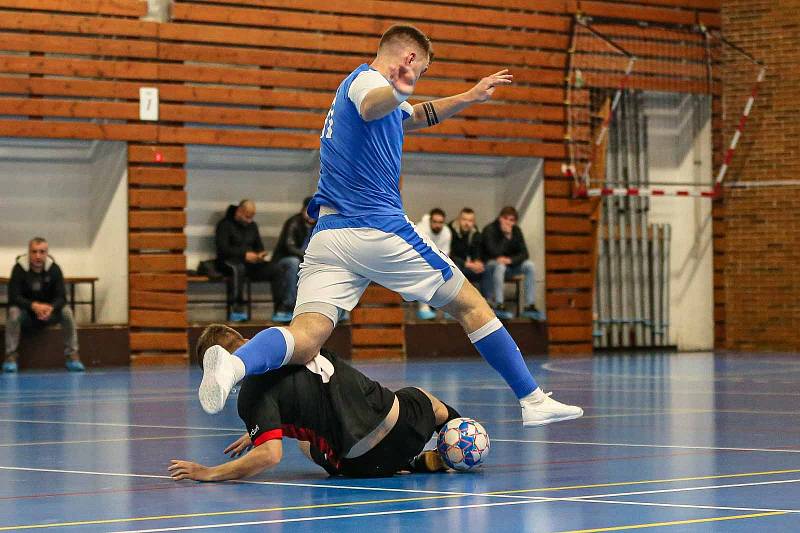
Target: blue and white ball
(463, 444)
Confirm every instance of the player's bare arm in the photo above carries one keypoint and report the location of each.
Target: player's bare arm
(259, 459)
(433, 112)
(239, 447)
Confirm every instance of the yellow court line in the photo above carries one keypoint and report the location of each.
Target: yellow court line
(644, 482)
(227, 513)
(675, 522)
(383, 501)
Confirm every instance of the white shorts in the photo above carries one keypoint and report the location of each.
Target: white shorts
(342, 259)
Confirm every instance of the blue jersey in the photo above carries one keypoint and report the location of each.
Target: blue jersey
(359, 160)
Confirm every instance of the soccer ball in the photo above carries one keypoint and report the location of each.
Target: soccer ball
(463, 444)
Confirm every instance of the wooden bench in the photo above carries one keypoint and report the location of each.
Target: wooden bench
(194, 278)
(69, 283)
(518, 281)
(519, 288)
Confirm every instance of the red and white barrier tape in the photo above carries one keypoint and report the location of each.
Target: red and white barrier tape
(646, 191)
(740, 128)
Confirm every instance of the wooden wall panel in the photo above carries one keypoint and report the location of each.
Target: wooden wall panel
(377, 325)
(124, 8)
(157, 265)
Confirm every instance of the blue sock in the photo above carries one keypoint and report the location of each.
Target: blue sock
(498, 348)
(269, 349)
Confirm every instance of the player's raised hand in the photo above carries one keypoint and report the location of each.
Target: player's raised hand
(402, 79)
(239, 447)
(484, 89)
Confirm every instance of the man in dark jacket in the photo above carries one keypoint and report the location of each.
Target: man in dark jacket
(240, 253)
(465, 247)
(37, 298)
(506, 255)
(286, 258)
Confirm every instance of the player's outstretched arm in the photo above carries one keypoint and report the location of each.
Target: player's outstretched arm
(435, 111)
(259, 459)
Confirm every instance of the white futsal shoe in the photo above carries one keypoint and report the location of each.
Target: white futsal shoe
(221, 371)
(539, 409)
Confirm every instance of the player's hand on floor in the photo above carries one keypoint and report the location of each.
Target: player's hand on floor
(239, 447)
(188, 470)
(484, 89)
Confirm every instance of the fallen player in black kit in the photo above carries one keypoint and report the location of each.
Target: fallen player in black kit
(345, 422)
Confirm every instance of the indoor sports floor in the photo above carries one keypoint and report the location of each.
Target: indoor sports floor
(684, 442)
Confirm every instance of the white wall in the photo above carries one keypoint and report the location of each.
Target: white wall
(73, 193)
(278, 180)
(676, 154)
(486, 184)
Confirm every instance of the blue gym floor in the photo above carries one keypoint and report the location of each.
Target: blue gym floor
(684, 442)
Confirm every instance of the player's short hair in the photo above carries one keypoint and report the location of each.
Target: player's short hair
(247, 202)
(36, 240)
(468, 210)
(216, 334)
(437, 211)
(408, 33)
(509, 211)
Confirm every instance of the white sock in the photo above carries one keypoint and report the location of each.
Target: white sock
(536, 396)
(238, 368)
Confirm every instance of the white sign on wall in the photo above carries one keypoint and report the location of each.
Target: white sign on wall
(148, 103)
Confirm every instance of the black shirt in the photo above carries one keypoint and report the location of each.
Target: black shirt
(332, 412)
(27, 286)
(465, 245)
(292, 241)
(494, 244)
(234, 239)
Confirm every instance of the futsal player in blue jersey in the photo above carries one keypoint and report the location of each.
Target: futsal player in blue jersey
(363, 235)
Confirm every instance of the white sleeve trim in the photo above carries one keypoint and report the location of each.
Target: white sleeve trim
(363, 84)
(407, 109)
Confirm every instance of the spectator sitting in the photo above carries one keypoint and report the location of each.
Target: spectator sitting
(465, 250)
(286, 258)
(432, 226)
(37, 298)
(240, 253)
(506, 255)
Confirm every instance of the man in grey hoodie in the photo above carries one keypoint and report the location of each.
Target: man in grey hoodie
(37, 298)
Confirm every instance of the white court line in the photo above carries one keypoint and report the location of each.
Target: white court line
(78, 401)
(328, 517)
(630, 445)
(81, 393)
(415, 491)
(100, 441)
(114, 424)
(671, 391)
(532, 500)
(647, 410)
(271, 483)
(523, 441)
(518, 498)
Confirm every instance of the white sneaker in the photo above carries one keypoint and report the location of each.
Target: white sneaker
(219, 377)
(539, 409)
